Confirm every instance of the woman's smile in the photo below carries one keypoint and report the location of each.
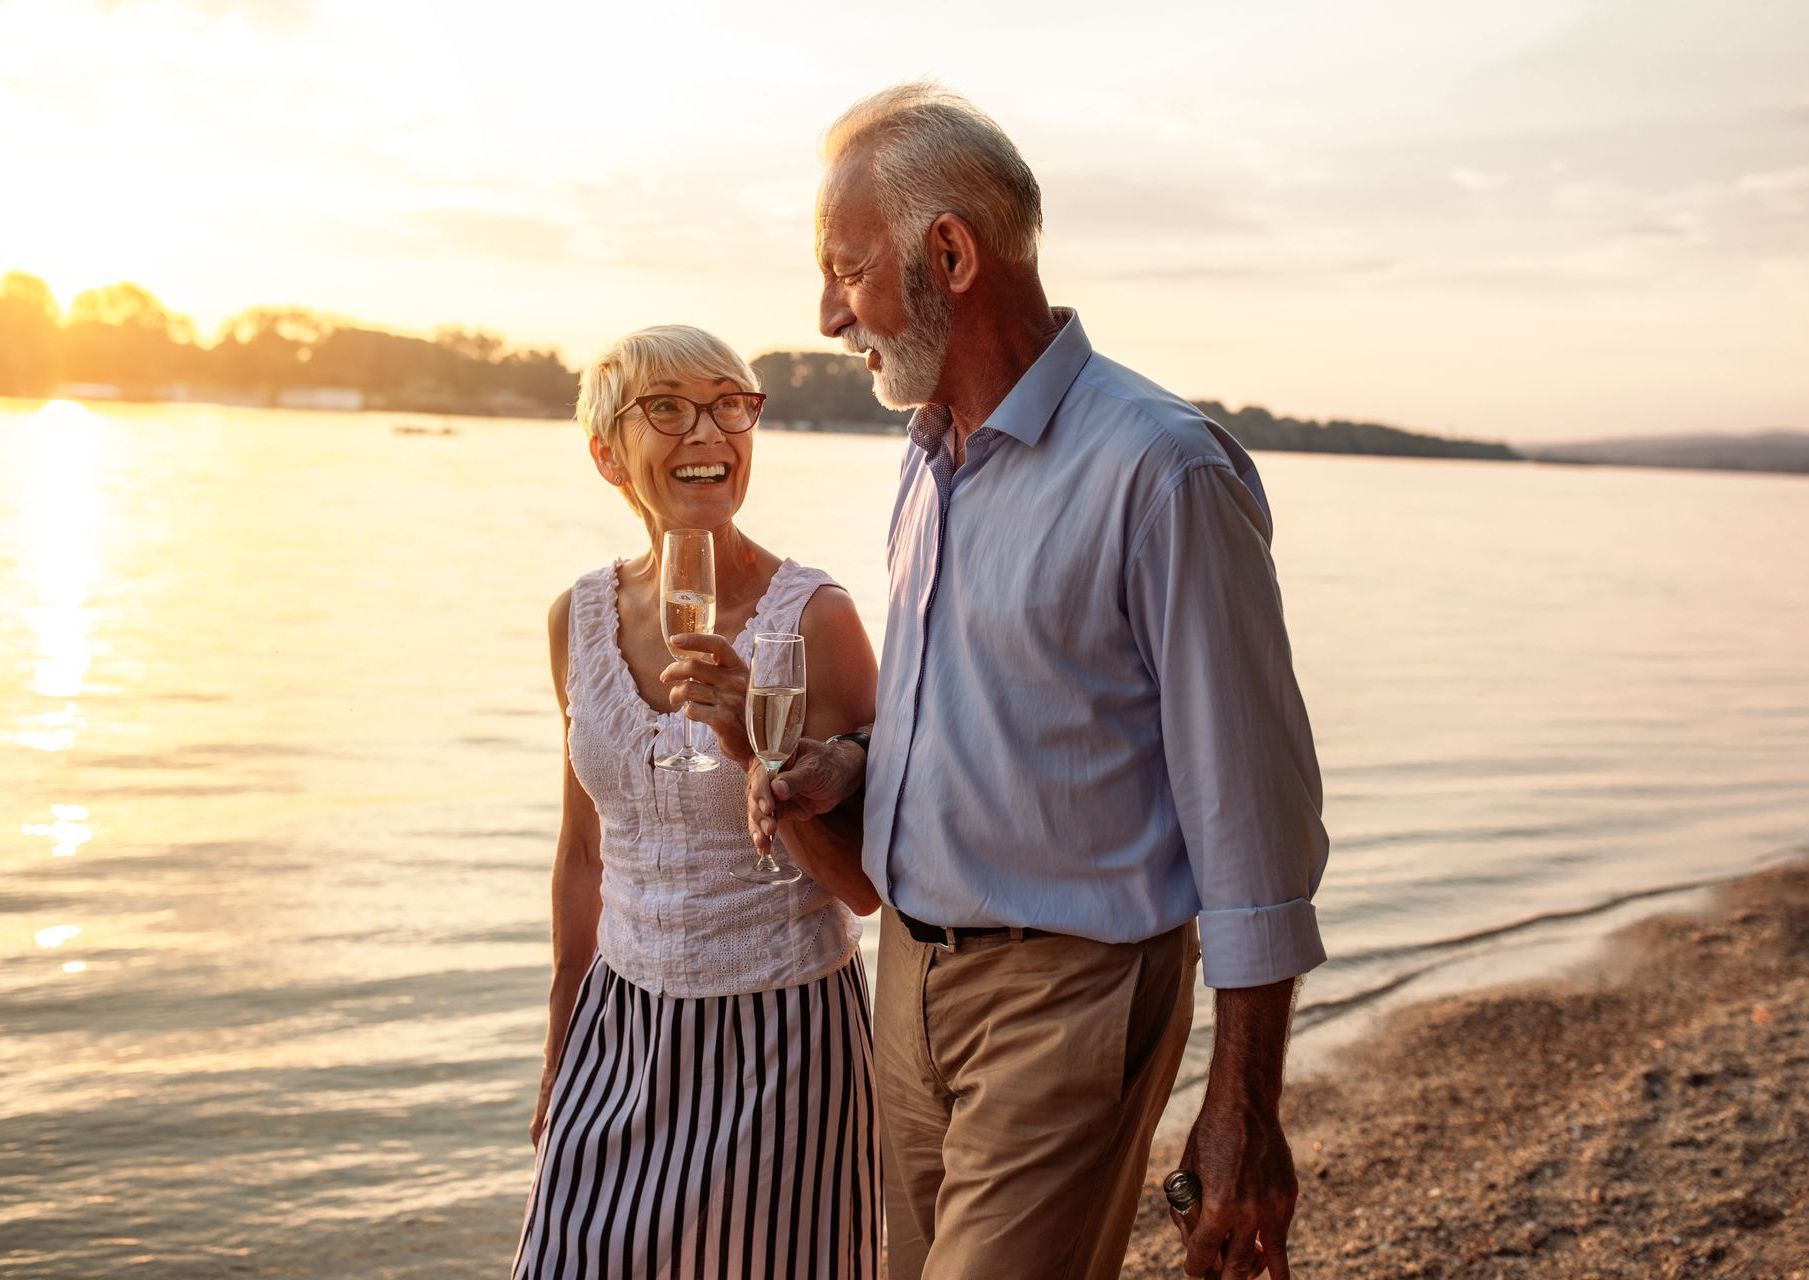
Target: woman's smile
(701, 473)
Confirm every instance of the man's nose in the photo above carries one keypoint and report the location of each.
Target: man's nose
(834, 314)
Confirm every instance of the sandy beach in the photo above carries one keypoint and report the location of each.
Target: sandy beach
(1649, 1118)
(1646, 1119)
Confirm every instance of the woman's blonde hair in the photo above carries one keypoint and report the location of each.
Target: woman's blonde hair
(671, 352)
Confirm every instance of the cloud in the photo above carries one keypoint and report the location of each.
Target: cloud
(482, 234)
(1775, 182)
(1478, 180)
(1676, 228)
(1091, 201)
(270, 14)
(1322, 271)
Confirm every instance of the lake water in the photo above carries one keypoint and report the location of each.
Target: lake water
(279, 780)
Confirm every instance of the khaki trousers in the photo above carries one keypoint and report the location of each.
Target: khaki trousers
(1020, 1083)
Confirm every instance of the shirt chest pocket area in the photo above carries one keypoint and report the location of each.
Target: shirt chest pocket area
(912, 551)
(1037, 612)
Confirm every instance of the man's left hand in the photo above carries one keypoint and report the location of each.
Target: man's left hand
(1247, 1191)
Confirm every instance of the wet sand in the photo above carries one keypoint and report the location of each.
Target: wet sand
(1647, 1119)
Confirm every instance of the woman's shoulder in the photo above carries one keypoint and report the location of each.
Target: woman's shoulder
(559, 617)
(827, 606)
(793, 590)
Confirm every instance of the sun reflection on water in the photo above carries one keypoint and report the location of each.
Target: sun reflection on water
(67, 830)
(55, 936)
(60, 508)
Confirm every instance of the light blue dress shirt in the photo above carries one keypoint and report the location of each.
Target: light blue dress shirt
(1088, 720)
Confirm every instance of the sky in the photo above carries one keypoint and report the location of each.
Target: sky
(1512, 219)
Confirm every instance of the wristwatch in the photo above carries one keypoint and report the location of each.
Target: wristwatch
(859, 735)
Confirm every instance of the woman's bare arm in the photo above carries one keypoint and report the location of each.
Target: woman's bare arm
(577, 877)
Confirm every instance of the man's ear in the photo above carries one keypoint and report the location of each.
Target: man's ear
(954, 252)
(607, 466)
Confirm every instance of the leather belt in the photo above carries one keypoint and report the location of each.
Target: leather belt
(946, 936)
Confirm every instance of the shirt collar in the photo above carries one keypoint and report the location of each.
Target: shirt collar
(1025, 411)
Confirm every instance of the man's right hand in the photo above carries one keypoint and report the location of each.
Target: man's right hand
(819, 777)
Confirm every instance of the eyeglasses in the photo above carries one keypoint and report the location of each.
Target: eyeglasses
(674, 415)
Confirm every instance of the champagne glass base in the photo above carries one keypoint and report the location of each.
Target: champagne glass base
(775, 871)
(687, 761)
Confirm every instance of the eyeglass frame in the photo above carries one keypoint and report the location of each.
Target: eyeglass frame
(697, 411)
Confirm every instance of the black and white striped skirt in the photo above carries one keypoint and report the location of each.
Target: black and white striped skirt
(726, 1136)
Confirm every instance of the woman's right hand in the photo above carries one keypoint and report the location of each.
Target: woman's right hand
(713, 691)
(548, 1076)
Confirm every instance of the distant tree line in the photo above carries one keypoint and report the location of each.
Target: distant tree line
(813, 390)
(122, 339)
(1257, 428)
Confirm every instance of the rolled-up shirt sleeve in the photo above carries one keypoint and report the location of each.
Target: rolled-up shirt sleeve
(1206, 611)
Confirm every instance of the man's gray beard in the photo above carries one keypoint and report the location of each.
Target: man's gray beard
(910, 364)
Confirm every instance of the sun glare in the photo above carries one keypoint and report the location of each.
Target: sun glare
(61, 505)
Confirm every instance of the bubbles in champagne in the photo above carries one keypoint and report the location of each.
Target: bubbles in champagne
(686, 613)
(775, 719)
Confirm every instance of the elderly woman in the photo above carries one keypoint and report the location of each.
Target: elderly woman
(706, 1107)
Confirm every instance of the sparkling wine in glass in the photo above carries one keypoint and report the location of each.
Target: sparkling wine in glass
(775, 719)
(687, 606)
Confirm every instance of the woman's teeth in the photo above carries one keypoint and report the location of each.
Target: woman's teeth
(711, 474)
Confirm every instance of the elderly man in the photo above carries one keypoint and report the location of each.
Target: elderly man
(1089, 738)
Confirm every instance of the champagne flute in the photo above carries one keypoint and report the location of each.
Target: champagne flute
(775, 720)
(687, 606)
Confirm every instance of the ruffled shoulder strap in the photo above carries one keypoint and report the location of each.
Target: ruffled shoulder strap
(591, 646)
(783, 604)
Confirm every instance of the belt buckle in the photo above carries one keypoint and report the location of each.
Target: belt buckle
(949, 940)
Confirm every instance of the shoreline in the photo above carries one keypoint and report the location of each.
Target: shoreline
(479, 410)
(1643, 1116)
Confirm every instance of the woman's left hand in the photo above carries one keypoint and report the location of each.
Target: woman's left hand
(712, 690)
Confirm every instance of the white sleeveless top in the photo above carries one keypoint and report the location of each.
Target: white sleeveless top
(675, 922)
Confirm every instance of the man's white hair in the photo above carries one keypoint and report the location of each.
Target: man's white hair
(933, 152)
(669, 352)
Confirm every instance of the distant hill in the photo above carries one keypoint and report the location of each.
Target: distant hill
(1786, 451)
(819, 391)
(1257, 428)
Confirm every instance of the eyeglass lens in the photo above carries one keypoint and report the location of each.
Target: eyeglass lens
(675, 415)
